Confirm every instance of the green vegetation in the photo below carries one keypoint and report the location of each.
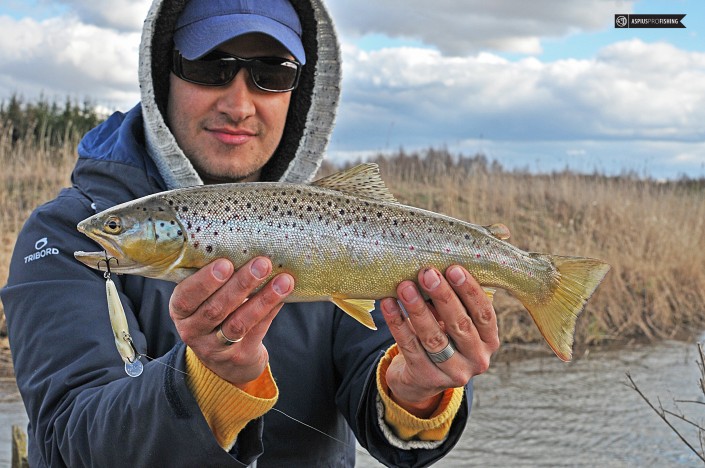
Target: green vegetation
(48, 123)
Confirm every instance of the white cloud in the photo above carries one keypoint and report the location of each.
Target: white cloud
(63, 56)
(464, 27)
(122, 15)
(630, 90)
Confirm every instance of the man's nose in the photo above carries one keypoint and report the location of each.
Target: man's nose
(238, 98)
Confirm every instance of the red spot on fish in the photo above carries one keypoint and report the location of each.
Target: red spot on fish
(411, 247)
(478, 255)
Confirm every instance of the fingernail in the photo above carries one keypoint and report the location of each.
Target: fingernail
(456, 276)
(431, 279)
(260, 268)
(282, 284)
(390, 307)
(222, 269)
(409, 294)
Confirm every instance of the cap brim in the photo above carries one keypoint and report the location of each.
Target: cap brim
(201, 37)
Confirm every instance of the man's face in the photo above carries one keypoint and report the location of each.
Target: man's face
(229, 132)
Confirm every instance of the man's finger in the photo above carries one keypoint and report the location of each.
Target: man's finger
(197, 288)
(477, 303)
(249, 315)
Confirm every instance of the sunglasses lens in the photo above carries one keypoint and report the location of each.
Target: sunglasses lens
(268, 73)
(274, 76)
(209, 72)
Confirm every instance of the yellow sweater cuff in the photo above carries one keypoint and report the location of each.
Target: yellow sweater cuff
(226, 408)
(404, 424)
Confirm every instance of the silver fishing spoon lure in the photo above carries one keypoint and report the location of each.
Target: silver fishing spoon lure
(118, 322)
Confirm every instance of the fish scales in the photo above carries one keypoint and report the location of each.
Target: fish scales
(334, 243)
(344, 239)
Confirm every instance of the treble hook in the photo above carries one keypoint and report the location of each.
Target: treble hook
(107, 264)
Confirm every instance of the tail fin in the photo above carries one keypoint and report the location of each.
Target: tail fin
(556, 316)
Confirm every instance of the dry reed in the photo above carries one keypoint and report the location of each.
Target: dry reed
(651, 233)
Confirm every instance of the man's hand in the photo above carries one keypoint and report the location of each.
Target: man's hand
(460, 309)
(216, 296)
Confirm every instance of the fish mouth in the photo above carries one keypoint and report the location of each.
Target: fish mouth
(99, 260)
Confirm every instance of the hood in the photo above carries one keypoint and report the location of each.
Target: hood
(311, 112)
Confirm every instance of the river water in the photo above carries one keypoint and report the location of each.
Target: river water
(542, 412)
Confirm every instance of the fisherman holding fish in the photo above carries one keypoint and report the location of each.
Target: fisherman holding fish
(232, 91)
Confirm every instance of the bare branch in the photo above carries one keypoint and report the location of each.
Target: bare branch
(662, 415)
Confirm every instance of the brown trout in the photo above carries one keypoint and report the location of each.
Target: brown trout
(344, 239)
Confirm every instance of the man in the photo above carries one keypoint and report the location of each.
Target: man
(231, 91)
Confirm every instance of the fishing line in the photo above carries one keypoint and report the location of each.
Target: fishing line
(319, 431)
(139, 355)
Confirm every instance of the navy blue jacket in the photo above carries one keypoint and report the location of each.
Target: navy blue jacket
(85, 411)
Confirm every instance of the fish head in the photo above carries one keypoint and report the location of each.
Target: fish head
(145, 237)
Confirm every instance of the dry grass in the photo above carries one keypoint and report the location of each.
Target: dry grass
(651, 233)
(32, 174)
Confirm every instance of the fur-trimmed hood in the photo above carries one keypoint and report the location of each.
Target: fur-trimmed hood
(311, 113)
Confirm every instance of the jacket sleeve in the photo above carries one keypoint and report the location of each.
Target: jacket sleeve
(83, 409)
(358, 396)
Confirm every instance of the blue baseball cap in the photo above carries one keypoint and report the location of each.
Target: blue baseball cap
(203, 25)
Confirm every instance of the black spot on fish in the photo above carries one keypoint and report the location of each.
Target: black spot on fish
(198, 229)
(364, 219)
(157, 236)
(179, 233)
(184, 209)
(275, 208)
(161, 209)
(342, 212)
(162, 224)
(171, 202)
(227, 208)
(249, 205)
(209, 248)
(467, 236)
(215, 233)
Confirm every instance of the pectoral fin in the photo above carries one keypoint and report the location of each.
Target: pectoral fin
(359, 309)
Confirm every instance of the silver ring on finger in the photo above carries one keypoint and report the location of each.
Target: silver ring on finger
(444, 354)
(224, 339)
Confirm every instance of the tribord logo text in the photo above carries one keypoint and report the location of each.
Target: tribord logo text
(41, 250)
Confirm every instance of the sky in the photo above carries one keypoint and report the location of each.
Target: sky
(542, 85)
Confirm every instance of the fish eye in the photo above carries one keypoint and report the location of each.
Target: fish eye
(113, 225)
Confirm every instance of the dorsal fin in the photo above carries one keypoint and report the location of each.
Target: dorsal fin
(362, 180)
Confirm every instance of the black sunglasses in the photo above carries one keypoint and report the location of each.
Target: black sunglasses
(274, 74)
